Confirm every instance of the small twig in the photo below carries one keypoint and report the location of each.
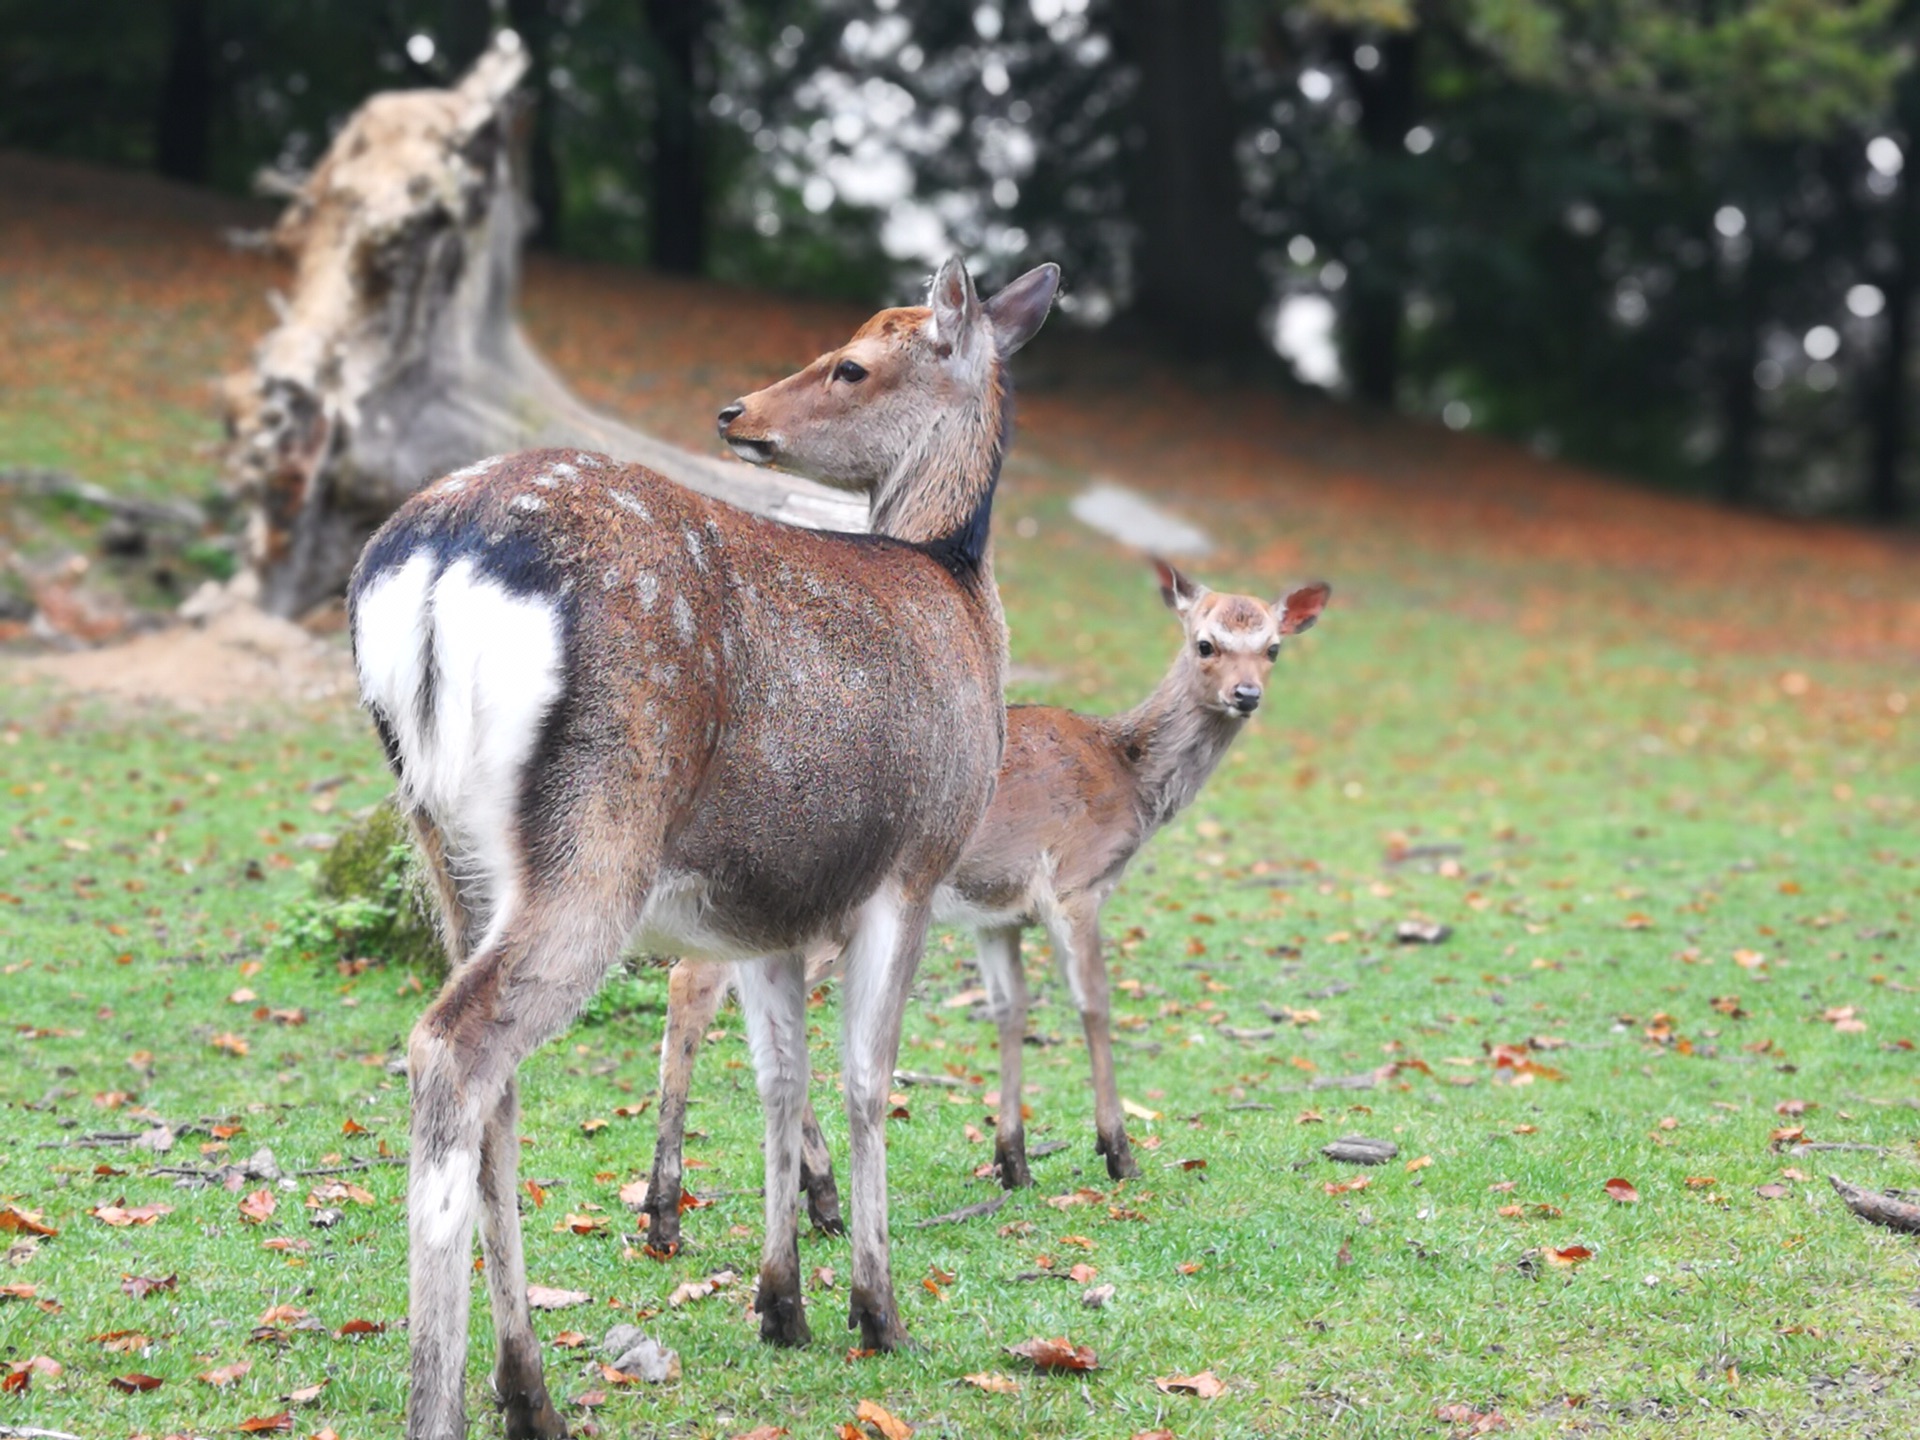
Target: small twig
(1878, 1209)
(1808, 1147)
(965, 1212)
(365, 1162)
(34, 1432)
(921, 1077)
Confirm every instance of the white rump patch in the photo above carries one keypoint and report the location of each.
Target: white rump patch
(1132, 519)
(497, 662)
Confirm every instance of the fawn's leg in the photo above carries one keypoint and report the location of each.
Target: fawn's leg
(1006, 982)
(694, 993)
(1077, 943)
(773, 999)
(881, 958)
(816, 1176)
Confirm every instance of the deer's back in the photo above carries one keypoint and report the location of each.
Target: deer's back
(781, 719)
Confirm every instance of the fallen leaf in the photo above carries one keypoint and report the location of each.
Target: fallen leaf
(141, 1286)
(1570, 1256)
(1772, 1192)
(885, 1421)
(1137, 1111)
(1419, 1164)
(226, 1374)
(1472, 1421)
(23, 1222)
(548, 1297)
(118, 1217)
(1097, 1297)
(569, 1340)
(1341, 1187)
(258, 1207)
(306, 1394)
(267, 1424)
(993, 1384)
(1206, 1384)
(763, 1432)
(1081, 1196)
(360, 1327)
(122, 1342)
(135, 1383)
(1623, 1192)
(1055, 1354)
(229, 1042)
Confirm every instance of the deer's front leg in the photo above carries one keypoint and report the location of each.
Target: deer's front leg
(881, 959)
(1086, 971)
(773, 999)
(694, 993)
(527, 1410)
(1006, 981)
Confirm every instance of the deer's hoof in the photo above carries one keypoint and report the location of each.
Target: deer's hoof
(532, 1417)
(1119, 1156)
(1011, 1162)
(663, 1229)
(783, 1321)
(823, 1209)
(878, 1323)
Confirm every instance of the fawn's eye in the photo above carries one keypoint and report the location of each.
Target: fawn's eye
(1273, 651)
(848, 371)
(1205, 647)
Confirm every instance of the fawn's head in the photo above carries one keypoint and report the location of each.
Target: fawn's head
(1233, 640)
(910, 384)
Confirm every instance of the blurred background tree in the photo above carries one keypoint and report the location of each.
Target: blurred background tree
(1677, 239)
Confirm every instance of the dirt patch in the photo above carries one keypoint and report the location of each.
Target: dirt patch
(237, 659)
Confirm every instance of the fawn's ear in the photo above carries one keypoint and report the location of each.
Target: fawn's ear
(1302, 607)
(956, 309)
(1020, 308)
(1179, 593)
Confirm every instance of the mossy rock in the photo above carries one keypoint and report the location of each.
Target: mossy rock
(370, 901)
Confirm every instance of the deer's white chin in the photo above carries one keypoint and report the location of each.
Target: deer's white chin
(754, 452)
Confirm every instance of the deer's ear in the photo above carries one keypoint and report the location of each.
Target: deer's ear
(1302, 607)
(955, 307)
(1020, 309)
(1176, 590)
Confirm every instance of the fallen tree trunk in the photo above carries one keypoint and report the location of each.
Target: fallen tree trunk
(1891, 1211)
(398, 358)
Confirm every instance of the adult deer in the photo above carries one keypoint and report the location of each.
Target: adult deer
(1078, 796)
(622, 713)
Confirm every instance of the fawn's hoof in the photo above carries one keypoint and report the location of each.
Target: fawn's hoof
(823, 1209)
(1011, 1162)
(532, 1417)
(783, 1321)
(1119, 1156)
(878, 1322)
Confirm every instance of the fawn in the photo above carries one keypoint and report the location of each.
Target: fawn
(1078, 796)
(622, 713)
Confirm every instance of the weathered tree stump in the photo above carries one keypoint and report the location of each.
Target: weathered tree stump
(398, 358)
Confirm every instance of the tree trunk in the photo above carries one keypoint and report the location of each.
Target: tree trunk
(1890, 396)
(183, 122)
(1389, 96)
(677, 209)
(398, 357)
(533, 20)
(1199, 290)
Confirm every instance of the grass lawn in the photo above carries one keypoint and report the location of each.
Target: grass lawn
(1656, 768)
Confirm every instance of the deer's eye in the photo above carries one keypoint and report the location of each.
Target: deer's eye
(1205, 647)
(850, 372)
(1273, 651)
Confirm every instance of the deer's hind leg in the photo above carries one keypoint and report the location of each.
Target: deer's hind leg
(694, 993)
(460, 915)
(527, 1410)
(816, 1176)
(519, 989)
(773, 998)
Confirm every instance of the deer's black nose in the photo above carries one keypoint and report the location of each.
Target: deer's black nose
(728, 414)
(1246, 698)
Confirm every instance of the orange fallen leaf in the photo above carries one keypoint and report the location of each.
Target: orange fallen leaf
(135, 1383)
(993, 1384)
(23, 1222)
(258, 1207)
(1570, 1256)
(1055, 1355)
(885, 1421)
(226, 1374)
(1206, 1384)
(120, 1217)
(1420, 1163)
(282, 1315)
(267, 1424)
(1622, 1192)
(360, 1327)
(1342, 1187)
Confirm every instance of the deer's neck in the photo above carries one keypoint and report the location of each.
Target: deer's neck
(940, 495)
(1178, 744)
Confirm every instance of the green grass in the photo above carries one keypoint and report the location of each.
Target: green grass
(1620, 820)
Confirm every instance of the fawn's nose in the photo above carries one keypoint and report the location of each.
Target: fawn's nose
(1246, 698)
(728, 414)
